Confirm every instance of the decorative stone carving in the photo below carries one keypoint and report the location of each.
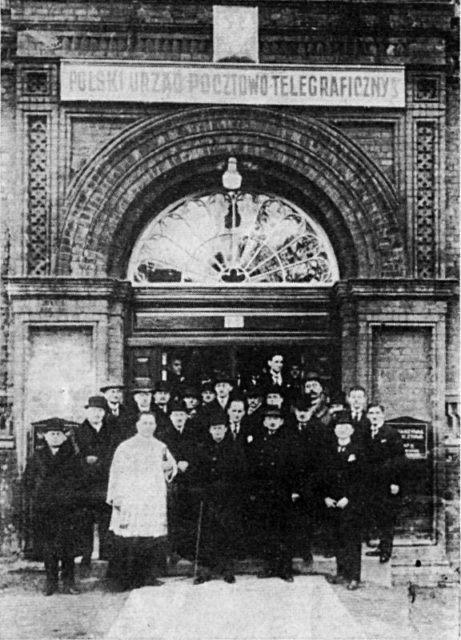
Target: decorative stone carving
(36, 83)
(426, 90)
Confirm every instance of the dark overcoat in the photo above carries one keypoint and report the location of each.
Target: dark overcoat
(56, 486)
(273, 477)
(220, 474)
(101, 444)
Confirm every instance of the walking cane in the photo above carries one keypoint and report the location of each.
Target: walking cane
(197, 543)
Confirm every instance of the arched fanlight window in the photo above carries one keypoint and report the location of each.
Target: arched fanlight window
(218, 239)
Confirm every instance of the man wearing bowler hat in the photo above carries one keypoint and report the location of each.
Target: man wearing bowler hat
(223, 386)
(97, 443)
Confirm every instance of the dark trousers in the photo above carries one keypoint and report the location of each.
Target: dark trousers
(383, 509)
(300, 530)
(183, 511)
(136, 562)
(346, 536)
(51, 557)
(220, 538)
(273, 537)
(99, 514)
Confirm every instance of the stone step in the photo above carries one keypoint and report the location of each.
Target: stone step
(372, 570)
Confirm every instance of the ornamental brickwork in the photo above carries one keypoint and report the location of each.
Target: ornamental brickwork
(81, 180)
(37, 234)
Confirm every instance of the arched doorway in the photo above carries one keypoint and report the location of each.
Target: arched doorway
(156, 162)
(258, 255)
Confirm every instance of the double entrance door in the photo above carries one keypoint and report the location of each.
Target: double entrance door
(232, 330)
(245, 363)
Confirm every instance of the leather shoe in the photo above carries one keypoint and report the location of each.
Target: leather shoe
(49, 588)
(70, 589)
(375, 553)
(266, 573)
(384, 557)
(154, 583)
(229, 578)
(353, 585)
(335, 579)
(200, 579)
(287, 577)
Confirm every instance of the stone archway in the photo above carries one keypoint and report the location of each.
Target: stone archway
(356, 203)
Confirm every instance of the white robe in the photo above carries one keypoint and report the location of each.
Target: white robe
(137, 487)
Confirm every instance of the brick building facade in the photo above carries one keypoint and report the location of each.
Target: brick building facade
(83, 178)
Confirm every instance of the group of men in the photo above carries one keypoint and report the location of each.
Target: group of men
(261, 472)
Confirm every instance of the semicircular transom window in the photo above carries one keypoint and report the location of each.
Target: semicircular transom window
(261, 240)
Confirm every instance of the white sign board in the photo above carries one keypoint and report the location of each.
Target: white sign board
(235, 32)
(339, 86)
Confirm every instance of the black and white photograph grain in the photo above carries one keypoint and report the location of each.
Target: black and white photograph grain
(229, 320)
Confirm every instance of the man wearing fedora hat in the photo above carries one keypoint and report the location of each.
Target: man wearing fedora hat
(161, 407)
(117, 413)
(97, 443)
(142, 399)
(55, 482)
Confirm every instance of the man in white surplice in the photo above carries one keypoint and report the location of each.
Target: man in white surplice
(141, 468)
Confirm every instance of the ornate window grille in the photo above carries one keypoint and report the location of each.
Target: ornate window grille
(219, 239)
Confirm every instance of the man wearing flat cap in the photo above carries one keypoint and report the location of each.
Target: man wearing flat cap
(55, 483)
(97, 443)
(317, 397)
(273, 487)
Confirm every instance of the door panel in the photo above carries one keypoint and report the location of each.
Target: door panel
(244, 363)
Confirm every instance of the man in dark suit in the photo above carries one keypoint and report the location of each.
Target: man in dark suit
(255, 396)
(223, 387)
(385, 462)
(175, 376)
(117, 416)
(237, 424)
(273, 376)
(220, 477)
(272, 487)
(161, 397)
(357, 409)
(96, 441)
(342, 490)
(309, 442)
(182, 517)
